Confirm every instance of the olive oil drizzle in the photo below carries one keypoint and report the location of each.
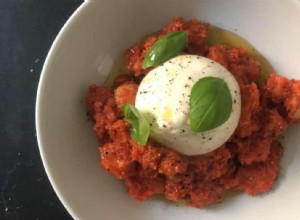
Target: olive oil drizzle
(215, 35)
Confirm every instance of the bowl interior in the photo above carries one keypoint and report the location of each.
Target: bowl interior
(83, 54)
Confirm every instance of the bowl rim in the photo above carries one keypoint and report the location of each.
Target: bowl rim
(38, 105)
(40, 134)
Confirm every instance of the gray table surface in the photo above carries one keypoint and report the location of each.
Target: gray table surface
(27, 30)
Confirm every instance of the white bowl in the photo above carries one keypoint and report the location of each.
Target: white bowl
(84, 52)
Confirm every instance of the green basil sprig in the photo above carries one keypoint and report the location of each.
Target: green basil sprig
(165, 48)
(140, 128)
(210, 104)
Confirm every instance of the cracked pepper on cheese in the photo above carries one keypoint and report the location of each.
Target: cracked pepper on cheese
(163, 98)
(248, 161)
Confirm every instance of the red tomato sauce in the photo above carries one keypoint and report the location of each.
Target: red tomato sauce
(248, 161)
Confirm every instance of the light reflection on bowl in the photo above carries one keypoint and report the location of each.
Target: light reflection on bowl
(83, 54)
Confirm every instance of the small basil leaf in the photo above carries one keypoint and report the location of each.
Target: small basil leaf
(210, 104)
(165, 48)
(140, 128)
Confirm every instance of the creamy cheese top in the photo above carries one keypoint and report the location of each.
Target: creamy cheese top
(163, 98)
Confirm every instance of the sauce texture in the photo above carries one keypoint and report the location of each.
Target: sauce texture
(247, 162)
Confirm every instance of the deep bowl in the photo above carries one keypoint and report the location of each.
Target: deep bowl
(84, 52)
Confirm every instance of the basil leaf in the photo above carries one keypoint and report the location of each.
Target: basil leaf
(165, 48)
(140, 128)
(210, 104)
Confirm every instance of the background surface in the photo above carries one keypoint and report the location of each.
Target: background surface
(27, 30)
